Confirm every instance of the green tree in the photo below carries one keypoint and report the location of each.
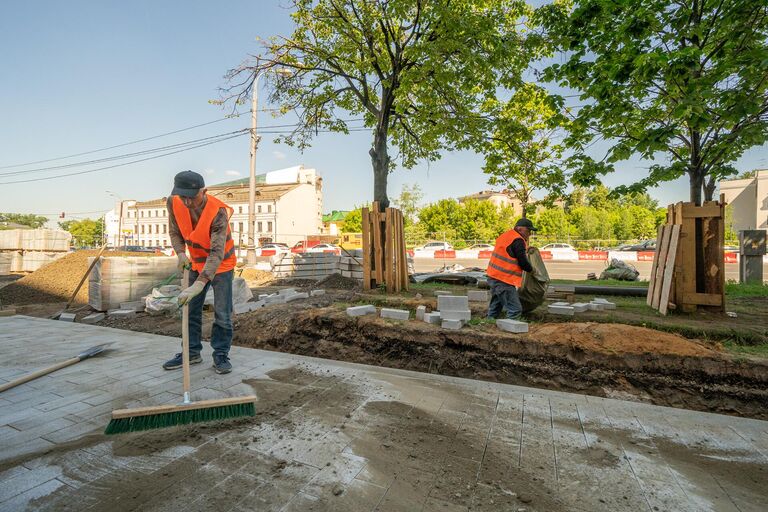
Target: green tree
(520, 153)
(409, 202)
(415, 71)
(747, 175)
(86, 232)
(25, 219)
(682, 80)
(353, 222)
(553, 222)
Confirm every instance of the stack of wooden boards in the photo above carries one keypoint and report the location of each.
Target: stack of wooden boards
(385, 259)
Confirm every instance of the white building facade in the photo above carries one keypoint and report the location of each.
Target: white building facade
(289, 206)
(749, 200)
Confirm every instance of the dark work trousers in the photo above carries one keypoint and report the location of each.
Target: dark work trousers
(503, 297)
(221, 335)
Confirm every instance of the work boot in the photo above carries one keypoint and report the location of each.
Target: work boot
(176, 362)
(221, 363)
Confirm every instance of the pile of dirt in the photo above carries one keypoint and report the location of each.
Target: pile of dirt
(255, 277)
(617, 339)
(338, 282)
(56, 282)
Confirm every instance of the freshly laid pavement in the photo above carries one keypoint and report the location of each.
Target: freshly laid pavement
(344, 437)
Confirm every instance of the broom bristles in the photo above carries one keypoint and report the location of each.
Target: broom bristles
(183, 417)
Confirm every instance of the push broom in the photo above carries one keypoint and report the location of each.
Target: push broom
(189, 411)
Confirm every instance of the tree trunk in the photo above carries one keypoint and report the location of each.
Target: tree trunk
(380, 162)
(696, 183)
(709, 189)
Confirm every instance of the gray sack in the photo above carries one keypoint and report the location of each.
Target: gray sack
(535, 283)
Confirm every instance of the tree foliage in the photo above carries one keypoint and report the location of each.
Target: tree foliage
(521, 153)
(684, 81)
(24, 219)
(409, 202)
(86, 232)
(353, 222)
(470, 220)
(414, 72)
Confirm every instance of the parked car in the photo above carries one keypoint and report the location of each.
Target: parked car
(274, 246)
(434, 246)
(557, 247)
(325, 248)
(137, 248)
(480, 247)
(648, 245)
(731, 248)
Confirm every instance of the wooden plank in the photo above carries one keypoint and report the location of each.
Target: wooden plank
(661, 240)
(703, 299)
(687, 255)
(403, 255)
(661, 256)
(389, 251)
(669, 270)
(378, 249)
(366, 250)
(709, 209)
(722, 244)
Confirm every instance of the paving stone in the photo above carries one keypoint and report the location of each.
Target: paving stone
(465, 316)
(560, 310)
(263, 296)
(432, 318)
(452, 303)
(135, 305)
(243, 307)
(477, 295)
(93, 318)
(580, 307)
(395, 314)
(453, 325)
(361, 310)
(560, 304)
(420, 311)
(275, 299)
(67, 317)
(286, 291)
(315, 293)
(296, 296)
(596, 306)
(122, 313)
(508, 325)
(605, 303)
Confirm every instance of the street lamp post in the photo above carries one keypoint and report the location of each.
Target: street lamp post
(250, 256)
(119, 218)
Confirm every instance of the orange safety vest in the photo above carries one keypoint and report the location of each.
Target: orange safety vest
(502, 266)
(198, 238)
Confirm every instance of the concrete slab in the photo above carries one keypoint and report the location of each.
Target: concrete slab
(464, 316)
(560, 310)
(604, 303)
(316, 293)
(67, 317)
(395, 314)
(452, 324)
(345, 437)
(361, 310)
(508, 325)
(286, 291)
(432, 318)
(452, 303)
(93, 318)
(136, 305)
(420, 311)
(580, 307)
(296, 296)
(477, 295)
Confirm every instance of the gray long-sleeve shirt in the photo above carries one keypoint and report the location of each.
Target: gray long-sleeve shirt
(218, 236)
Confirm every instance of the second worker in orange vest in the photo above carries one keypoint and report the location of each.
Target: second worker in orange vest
(508, 261)
(199, 224)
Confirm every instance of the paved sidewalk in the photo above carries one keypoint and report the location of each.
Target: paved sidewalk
(333, 436)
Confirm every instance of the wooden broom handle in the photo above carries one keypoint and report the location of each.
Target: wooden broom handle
(87, 273)
(38, 373)
(185, 337)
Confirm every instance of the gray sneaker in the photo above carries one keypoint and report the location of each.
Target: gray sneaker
(176, 362)
(221, 363)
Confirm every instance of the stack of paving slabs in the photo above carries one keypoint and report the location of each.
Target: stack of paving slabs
(26, 250)
(124, 279)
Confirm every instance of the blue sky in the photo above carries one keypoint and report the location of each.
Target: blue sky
(78, 76)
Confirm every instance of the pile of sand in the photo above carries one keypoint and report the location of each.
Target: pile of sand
(617, 339)
(56, 281)
(256, 277)
(338, 282)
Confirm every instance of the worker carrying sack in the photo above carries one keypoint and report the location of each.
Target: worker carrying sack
(535, 283)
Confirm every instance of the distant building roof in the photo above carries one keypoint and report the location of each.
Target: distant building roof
(486, 194)
(335, 216)
(234, 193)
(260, 178)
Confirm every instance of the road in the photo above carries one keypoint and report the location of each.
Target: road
(569, 269)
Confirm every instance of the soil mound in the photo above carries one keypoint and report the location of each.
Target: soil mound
(339, 282)
(257, 277)
(617, 339)
(56, 281)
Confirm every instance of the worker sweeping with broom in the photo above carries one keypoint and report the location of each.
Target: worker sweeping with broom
(198, 223)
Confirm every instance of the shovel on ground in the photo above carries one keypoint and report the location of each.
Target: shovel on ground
(93, 351)
(56, 316)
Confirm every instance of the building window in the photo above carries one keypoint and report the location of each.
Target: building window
(231, 227)
(259, 208)
(142, 229)
(240, 227)
(260, 227)
(269, 208)
(165, 228)
(240, 208)
(142, 214)
(269, 227)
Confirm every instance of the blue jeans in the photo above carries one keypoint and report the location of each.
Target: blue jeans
(503, 297)
(221, 335)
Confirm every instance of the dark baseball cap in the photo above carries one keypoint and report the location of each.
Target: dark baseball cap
(187, 184)
(525, 223)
